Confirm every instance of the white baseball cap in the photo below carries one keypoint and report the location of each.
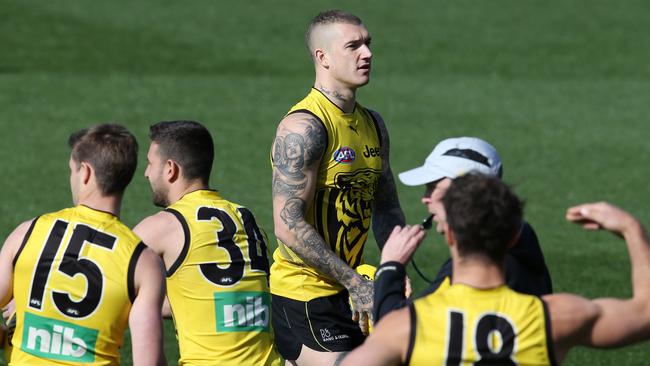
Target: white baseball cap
(454, 157)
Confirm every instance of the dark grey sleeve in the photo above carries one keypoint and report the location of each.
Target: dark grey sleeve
(389, 289)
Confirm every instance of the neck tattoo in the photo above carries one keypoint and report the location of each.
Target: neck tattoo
(333, 93)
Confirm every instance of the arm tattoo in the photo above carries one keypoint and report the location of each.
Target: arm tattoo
(387, 212)
(292, 153)
(312, 248)
(315, 139)
(292, 212)
(288, 155)
(317, 254)
(285, 188)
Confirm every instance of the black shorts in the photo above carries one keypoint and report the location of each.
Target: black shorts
(323, 324)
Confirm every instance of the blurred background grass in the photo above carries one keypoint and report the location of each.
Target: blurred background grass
(560, 89)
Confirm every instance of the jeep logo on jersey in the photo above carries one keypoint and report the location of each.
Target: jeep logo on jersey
(344, 155)
(58, 340)
(372, 151)
(242, 311)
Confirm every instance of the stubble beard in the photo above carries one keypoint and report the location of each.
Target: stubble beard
(159, 197)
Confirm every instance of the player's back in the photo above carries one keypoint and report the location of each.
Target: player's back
(218, 287)
(73, 287)
(463, 325)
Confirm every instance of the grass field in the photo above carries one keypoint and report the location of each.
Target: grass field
(561, 89)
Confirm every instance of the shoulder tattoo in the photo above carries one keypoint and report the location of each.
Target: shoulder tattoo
(292, 153)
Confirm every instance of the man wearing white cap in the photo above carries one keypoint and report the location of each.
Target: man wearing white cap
(526, 270)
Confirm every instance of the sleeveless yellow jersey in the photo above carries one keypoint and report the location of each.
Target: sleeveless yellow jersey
(218, 287)
(345, 189)
(461, 325)
(73, 286)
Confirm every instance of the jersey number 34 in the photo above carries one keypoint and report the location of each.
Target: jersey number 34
(227, 240)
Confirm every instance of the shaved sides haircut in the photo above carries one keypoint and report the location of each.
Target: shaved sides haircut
(326, 18)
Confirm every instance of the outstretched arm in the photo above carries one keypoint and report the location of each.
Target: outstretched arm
(606, 322)
(299, 144)
(387, 212)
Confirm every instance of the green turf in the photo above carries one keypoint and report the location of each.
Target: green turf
(559, 88)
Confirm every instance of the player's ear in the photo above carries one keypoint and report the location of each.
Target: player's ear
(168, 169)
(320, 57)
(450, 238)
(85, 172)
(172, 171)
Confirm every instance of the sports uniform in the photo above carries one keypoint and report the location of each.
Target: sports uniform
(73, 287)
(218, 287)
(309, 307)
(459, 324)
(525, 271)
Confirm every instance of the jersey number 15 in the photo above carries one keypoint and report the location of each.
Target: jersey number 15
(71, 265)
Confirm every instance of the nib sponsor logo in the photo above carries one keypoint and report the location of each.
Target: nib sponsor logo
(58, 340)
(242, 311)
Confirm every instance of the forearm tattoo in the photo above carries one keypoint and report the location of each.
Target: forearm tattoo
(310, 245)
(387, 212)
(317, 254)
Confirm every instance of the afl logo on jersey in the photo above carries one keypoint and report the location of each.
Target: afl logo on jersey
(344, 155)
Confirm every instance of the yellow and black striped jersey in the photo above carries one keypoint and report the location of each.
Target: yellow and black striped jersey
(73, 287)
(218, 287)
(341, 211)
(462, 325)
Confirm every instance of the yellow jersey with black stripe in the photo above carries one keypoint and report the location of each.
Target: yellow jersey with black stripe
(73, 286)
(218, 287)
(462, 325)
(341, 211)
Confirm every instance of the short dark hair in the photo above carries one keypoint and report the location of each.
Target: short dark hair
(484, 214)
(329, 17)
(188, 143)
(111, 150)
